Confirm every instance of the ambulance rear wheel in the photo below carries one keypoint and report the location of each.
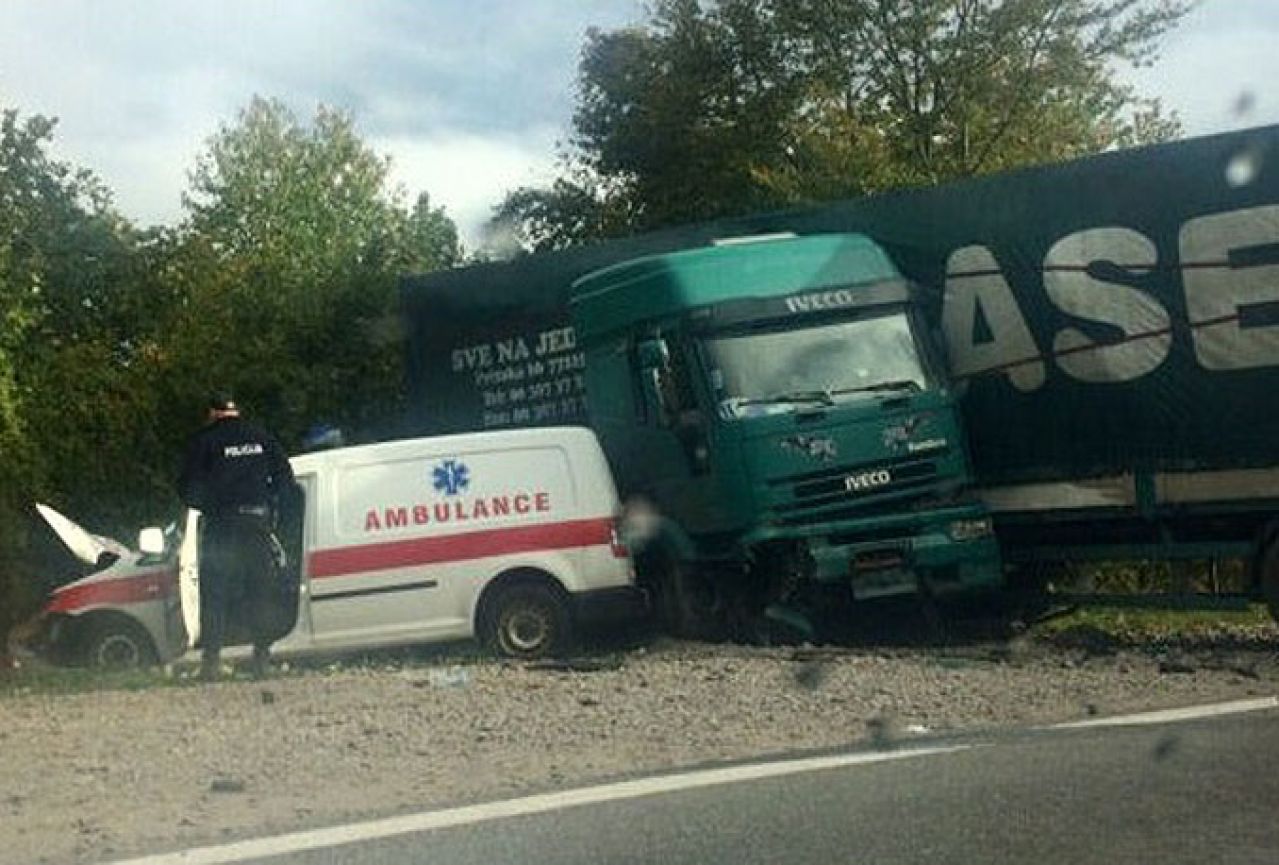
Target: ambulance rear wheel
(116, 644)
(527, 621)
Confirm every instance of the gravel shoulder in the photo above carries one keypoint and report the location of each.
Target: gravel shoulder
(96, 776)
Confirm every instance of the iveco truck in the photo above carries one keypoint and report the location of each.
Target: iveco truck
(776, 411)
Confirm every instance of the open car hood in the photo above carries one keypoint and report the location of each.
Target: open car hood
(86, 547)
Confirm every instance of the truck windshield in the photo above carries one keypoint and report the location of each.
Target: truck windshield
(774, 371)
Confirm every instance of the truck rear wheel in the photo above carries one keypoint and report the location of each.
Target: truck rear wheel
(527, 621)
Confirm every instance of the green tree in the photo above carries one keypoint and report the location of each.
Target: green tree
(294, 246)
(575, 207)
(67, 340)
(430, 241)
(731, 106)
(76, 321)
(280, 284)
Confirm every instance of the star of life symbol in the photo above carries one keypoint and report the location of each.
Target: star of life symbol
(451, 477)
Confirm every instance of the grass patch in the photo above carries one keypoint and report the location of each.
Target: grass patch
(1129, 625)
(39, 678)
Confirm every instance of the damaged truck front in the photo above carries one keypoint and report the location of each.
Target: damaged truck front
(779, 404)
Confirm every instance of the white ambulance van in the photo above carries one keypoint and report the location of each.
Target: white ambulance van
(510, 537)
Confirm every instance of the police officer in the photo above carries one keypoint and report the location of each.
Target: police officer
(234, 473)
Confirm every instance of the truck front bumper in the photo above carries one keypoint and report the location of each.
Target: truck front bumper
(947, 551)
(929, 561)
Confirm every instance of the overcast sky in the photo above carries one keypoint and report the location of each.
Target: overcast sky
(467, 96)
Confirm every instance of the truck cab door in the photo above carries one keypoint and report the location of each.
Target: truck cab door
(673, 438)
(671, 401)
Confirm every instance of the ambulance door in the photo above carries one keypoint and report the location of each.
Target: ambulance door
(189, 577)
(284, 603)
(295, 533)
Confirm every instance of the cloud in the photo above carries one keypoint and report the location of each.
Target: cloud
(138, 88)
(468, 174)
(1220, 53)
(465, 94)
(468, 96)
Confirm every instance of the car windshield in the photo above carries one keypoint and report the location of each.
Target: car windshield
(777, 370)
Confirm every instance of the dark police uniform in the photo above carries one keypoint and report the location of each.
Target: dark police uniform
(234, 473)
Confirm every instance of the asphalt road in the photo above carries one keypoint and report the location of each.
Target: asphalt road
(1190, 792)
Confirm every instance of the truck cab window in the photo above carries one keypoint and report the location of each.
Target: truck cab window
(678, 391)
(776, 371)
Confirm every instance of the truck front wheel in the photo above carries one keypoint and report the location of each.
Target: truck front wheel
(684, 601)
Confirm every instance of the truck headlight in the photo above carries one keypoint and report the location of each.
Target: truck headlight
(969, 530)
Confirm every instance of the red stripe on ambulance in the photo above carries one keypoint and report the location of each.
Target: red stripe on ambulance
(344, 561)
(147, 586)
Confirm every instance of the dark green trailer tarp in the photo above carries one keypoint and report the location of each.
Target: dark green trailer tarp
(1111, 314)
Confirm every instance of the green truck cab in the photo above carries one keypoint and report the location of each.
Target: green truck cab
(778, 406)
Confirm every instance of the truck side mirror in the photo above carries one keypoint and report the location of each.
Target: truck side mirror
(653, 353)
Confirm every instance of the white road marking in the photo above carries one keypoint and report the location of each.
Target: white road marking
(333, 836)
(1169, 716)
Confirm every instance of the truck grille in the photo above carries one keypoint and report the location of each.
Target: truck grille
(872, 484)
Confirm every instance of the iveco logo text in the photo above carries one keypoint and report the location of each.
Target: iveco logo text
(867, 480)
(821, 300)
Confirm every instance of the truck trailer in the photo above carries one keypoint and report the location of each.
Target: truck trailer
(827, 404)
